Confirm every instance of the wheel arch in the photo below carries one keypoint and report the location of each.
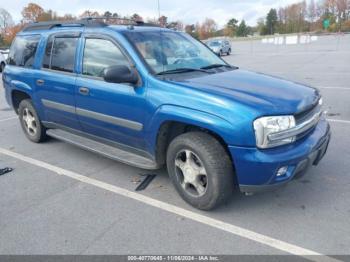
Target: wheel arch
(17, 96)
(171, 121)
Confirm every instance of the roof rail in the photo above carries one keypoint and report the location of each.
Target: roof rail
(52, 24)
(120, 21)
(87, 22)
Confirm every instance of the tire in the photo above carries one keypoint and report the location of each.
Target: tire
(221, 53)
(2, 67)
(229, 52)
(187, 155)
(30, 122)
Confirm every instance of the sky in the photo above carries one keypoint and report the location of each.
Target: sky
(188, 11)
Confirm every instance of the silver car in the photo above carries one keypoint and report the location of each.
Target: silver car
(220, 47)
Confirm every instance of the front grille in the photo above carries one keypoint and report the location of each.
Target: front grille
(305, 122)
(307, 114)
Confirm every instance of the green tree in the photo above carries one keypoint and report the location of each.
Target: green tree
(271, 21)
(231, 27)
(242, 29)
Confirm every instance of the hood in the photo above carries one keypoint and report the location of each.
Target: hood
(215, 48)
(266, 94)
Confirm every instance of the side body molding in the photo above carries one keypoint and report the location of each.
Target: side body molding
(98, 116)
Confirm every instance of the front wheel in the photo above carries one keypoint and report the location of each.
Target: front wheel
(2, 67)
(200, 169)
(30, 122)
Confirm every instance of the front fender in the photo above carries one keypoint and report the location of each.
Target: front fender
(188, 116)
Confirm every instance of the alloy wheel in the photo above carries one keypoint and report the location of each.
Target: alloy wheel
(191, 173)
(29, 122)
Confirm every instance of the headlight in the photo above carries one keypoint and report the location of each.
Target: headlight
(265, 126)
(320, 102)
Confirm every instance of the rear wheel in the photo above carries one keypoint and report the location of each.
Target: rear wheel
(30, 122)
(200, 169)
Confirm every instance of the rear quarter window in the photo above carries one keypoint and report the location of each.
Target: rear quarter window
(23, 50)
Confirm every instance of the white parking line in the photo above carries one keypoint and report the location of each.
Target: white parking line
(338, 121)
(335, 87)
(230, 228)
(10, 118)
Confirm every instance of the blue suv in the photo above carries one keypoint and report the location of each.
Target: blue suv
(149, 96)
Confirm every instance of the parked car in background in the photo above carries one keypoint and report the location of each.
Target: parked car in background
(3, 57)
(220, 47)
(5, 52)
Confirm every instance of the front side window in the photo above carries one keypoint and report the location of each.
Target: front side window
(167, 50)
(23, 51)
(60, 53)
(100, 54)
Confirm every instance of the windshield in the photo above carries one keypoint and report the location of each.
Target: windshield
(167, 50)
(214, 44)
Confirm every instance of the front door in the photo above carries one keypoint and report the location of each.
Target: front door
(108, 110)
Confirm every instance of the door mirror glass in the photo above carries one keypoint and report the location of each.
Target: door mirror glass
(120, 74)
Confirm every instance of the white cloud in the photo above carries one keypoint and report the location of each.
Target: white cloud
(189, 11)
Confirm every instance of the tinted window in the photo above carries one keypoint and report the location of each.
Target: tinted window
(47, 54)
(63, 54)
(23, 50)
(60, 53)
(99, 54)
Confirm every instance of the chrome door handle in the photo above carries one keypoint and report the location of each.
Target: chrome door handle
(40, 82)
(84, 91)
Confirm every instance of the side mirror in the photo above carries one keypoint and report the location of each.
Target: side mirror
(120, 74)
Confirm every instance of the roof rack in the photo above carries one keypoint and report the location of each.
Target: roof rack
(87, 22)
(52, 24)
(119, 21)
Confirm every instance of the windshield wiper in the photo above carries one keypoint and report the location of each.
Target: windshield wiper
(183, 70)
(218, 65)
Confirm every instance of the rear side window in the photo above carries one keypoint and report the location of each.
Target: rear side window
(100, 54)
(23, 51)
(60, 53)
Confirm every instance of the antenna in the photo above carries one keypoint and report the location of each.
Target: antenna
(160, 33)
(158, 10)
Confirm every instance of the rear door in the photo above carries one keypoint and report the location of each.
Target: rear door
(55, 82)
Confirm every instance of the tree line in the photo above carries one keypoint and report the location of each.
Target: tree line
(325, 15)
(316, 15)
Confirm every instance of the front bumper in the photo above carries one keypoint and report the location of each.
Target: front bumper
(256, 169)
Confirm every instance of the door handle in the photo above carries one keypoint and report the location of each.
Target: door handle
(84, 91)
(40, 82)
